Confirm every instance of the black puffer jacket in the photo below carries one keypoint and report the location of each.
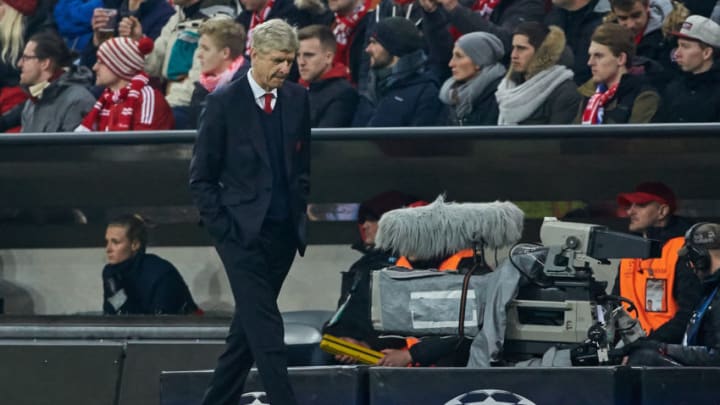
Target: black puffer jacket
(706, 351)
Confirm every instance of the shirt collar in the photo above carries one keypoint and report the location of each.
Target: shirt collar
(256, 89)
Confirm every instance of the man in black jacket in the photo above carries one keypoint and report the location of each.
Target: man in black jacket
(332, 98)
(694, 96)
(578, 18)
(701, 343)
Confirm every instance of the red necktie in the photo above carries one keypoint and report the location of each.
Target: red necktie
(268, 105)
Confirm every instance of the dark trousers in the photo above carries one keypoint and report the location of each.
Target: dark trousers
(256, 333)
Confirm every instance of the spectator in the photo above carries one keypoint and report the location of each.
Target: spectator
(497, 17)
(578, 19)
(59, 96)
(350, 28)
(332, 99)
(408, 9)
(644, 18)
(173, 57)
(136, 282)
(665, 280)
(354, 323)
(402, 92)
(701, 343)
(20, 20)
(74, 22)
(136, 18)
(537, 90)
(613, 96)
(477, 71)
(221, 54)
(128, 103)
(694, 96)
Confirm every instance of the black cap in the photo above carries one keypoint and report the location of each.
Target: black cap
(398, 35)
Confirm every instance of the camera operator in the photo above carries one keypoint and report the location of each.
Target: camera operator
(664, 289)
(701, 343)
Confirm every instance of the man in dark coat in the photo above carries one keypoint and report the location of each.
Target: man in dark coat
(332, 98)
(578, 19)
(400, 92)
(250, 179)
(694, 96)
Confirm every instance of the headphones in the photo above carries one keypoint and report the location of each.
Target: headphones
(697, 255)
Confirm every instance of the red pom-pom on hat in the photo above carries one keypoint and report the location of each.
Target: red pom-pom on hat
(145, 45)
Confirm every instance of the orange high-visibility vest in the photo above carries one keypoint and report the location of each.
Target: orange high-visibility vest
(451, 263)
(658, 275)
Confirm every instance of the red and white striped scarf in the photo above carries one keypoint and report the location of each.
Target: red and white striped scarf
(343, 30)
(258, 17)
(594, 108)
(98, 118)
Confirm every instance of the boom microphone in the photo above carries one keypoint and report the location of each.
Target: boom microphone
(444, 228)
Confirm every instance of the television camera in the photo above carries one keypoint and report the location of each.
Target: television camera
(560, 303)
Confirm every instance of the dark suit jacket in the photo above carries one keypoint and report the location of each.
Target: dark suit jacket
(230, 174)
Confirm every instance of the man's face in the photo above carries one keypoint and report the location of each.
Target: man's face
(644, 216)
(379, 56)
(370, 228)
(312, 60)
(342, 7)
(118, 247)
(691, 57)
(253, 5)
(634, 19)
(212, 58)
(522, 53)
(606, 67)
(104, 77)
(270, 69)
(31, 68)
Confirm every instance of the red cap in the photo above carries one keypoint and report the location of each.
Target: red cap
(649, 192)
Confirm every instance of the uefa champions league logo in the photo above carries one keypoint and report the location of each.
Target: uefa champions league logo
(489, 397)
(254, 398)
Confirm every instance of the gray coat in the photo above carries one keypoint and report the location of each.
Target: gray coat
(63, 104)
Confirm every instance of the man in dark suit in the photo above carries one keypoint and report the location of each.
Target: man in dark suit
(249, 177)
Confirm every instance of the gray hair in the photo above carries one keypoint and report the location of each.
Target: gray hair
(274, 35)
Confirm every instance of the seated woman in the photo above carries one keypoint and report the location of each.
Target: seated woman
(135, 282)
(476, 73)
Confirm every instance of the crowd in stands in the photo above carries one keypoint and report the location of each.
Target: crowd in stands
(107, 65)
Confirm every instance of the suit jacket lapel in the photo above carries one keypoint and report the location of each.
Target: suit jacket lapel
(246, 104)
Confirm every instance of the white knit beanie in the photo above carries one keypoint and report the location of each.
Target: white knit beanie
(124, 56)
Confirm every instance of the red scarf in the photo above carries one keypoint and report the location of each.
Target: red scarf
(592, 113)
(258, 17)
(343, 30)
(98, 118)
(482, 7)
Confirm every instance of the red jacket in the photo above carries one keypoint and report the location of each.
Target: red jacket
(9, 98)
(152, 112)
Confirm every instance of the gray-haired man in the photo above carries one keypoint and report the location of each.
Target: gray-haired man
(249, 177)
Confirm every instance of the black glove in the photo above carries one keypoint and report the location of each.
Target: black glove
(642, 343)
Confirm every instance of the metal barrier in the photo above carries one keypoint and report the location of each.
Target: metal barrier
(49, 182)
